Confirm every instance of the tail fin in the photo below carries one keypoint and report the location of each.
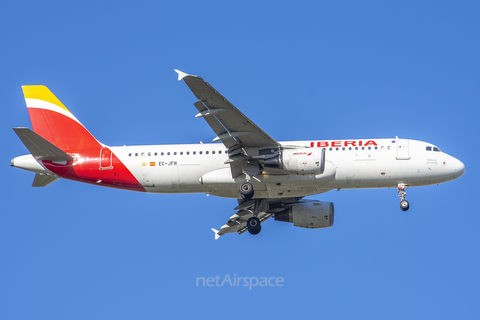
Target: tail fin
(54, 122)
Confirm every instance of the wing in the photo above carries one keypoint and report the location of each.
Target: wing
(230, 125)
(248, 146)
(237, 222)
(245, 141)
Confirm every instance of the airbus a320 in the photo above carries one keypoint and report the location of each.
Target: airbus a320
(268, 178)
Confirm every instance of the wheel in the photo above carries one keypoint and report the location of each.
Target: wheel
(253, 225)
(404, 205)
(246, 190)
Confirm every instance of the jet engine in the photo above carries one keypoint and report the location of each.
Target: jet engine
(313, 215)
(300, 161)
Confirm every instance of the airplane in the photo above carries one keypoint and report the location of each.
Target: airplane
(268, 178)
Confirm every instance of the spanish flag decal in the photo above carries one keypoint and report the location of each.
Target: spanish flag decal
(152, 164)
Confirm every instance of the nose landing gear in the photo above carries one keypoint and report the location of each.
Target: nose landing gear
(404, 205)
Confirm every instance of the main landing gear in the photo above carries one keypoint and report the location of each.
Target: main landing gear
(254, 225)
(246, 191)
(404, 205)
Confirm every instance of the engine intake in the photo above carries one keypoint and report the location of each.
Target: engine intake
(313, 215)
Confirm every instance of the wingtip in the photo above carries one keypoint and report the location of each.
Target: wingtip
(216, 233)
(181, 74)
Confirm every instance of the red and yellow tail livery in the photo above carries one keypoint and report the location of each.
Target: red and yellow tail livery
(61, 146)
(54, 122)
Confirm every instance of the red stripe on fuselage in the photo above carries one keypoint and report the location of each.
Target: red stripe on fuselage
(86, 168)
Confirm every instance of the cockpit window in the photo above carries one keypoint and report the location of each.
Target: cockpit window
(430, 148)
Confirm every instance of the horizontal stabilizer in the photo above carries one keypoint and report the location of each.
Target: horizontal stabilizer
(43, 180)
(40, 148)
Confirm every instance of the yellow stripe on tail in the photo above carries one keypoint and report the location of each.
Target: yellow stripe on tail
(42, 93)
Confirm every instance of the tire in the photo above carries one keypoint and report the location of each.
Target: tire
(246, 190)
(253, 225)
(404, 205)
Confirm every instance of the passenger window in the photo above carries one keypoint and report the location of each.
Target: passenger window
(129, 154)
(200, 152)
(219, 151)
(162, 154)
(194, 152)
(168, 153)
(181, 153)
(136, 154)
(206, 152)
(143, 154)
(213, 152)
(175, 153)
(155, 154)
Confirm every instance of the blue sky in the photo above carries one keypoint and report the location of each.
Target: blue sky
(300, 71)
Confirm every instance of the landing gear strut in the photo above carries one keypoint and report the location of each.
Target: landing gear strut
(404, 205)
(254, 226)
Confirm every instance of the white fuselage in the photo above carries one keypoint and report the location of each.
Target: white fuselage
(349, 164)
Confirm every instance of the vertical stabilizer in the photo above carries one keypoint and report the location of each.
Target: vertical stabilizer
(54, 122)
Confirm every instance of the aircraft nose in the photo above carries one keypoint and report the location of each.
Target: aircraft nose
(459, 168)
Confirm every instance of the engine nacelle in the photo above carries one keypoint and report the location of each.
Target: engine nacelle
(313, 215)
(301, 161)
